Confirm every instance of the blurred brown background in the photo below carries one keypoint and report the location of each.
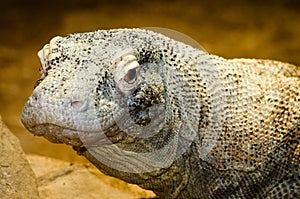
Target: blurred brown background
(236, 28)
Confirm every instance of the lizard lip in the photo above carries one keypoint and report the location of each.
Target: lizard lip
(73, 137)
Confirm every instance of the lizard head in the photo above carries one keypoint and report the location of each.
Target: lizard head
(112, 92)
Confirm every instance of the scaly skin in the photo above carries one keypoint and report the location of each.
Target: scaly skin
(171, 118)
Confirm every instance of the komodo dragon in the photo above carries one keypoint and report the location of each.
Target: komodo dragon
(169, 117)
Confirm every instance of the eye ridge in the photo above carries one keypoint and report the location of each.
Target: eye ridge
(131, 76)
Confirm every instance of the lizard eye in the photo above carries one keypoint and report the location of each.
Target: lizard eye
(131, 76)
(127, 70)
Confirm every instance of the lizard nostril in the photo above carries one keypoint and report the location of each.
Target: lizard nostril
(79, 105)
(34, 97)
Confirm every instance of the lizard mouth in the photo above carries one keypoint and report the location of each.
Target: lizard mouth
(75, 138)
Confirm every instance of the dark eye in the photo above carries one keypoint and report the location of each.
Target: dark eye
(131, 76)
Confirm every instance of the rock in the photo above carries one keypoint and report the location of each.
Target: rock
(64, 180)
(17, 180)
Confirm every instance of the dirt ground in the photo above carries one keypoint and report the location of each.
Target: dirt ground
(258, 29)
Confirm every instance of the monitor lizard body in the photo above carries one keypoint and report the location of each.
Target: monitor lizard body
(169, 117)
